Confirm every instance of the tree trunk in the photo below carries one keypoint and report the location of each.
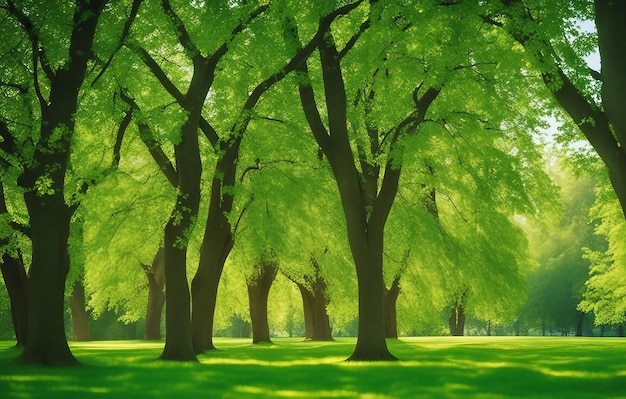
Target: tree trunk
(16, 281)
(457, 320)
(177, 318)
(365, 234)
(156, 297)
(391, 298)
(178, 343)
(258, 292)
(307, 305)
(49, 224)
(216, 246)
(579, 324)
(321, 321)
(620, 330)
(80, 315)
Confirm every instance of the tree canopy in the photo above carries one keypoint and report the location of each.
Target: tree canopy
(362, 149)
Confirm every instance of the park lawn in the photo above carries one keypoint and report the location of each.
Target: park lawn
(437, 367)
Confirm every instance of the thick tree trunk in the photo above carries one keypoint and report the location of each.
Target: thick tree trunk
(156, 297)
(371, 344)
(258, 292)
(177, 318)
(49, 224)
(315, 303)
(321, 321)
(80, 315)
(16, 281)
(391, 298)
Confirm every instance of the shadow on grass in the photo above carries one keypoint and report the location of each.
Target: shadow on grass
(446, 367)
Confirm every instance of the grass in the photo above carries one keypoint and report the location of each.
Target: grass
(441, 367)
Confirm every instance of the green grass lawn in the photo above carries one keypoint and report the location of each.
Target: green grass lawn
(442, 367)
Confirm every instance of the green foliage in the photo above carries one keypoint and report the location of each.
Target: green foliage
(605, 291)
(557, 245)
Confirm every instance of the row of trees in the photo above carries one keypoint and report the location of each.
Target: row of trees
(314, 134)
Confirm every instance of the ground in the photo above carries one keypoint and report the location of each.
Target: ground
(437, 367)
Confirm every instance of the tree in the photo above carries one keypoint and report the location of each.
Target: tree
(366, 205)
(62, 56)
(556, 48)
(258, 291)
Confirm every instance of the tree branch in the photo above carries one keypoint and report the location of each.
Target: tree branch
(125, 31)
(146, 135)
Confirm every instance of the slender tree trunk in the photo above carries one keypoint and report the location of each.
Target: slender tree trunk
(216, 246)
(16, 281)
(258, 292)
(580, 320)
(620, 330)
(80, 315)
(391, 299)
(178, 342)
(307, 305)
(156, 297)
(457, 320)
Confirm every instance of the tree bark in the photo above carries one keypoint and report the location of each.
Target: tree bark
(156, 297)
(216, 246)
(391, 299)
(16, 281)
(49, 224)
(258, 292)
(307, 306)
(315, 305)
(178, 344)
(80, 315)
